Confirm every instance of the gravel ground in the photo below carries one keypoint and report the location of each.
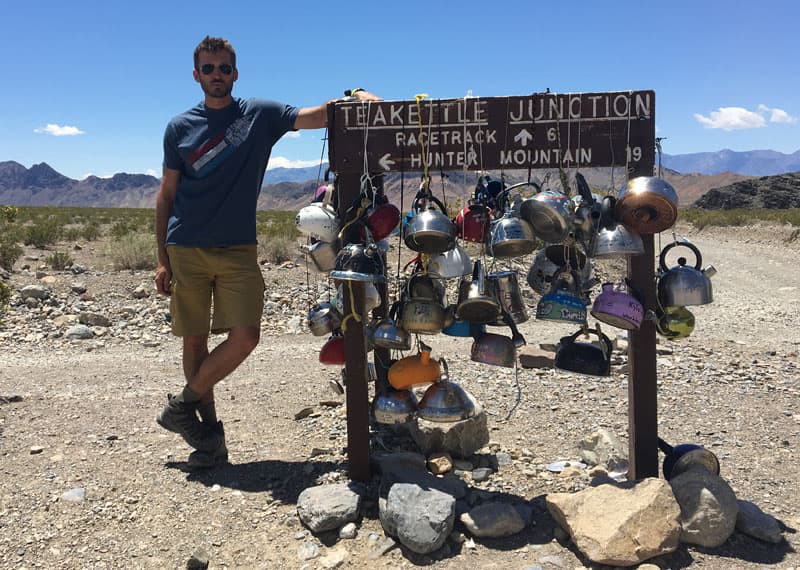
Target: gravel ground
(80, 414)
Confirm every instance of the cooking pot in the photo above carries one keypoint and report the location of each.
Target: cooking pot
(684, 285)
(647, 205)
(388, 334)
(394, 406)
(685, 457)
(323, 254)
(475, 304)
(358, 262)
(584, 357)
(451, 263)
(563, 302)
(323, 318)
(510, 236)
(618, 308)
(413, 370)
(674, 322)
(505, 288)
(319, 219)
(429, 230)
(332, 352)
(445, 401)
(551, 215)
(472, 222)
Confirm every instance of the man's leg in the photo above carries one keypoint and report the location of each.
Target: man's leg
(195, 351)
(224, 359)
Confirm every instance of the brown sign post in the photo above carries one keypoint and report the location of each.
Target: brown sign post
(542, 130)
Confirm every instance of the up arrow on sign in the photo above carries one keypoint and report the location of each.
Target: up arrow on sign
(523, 137)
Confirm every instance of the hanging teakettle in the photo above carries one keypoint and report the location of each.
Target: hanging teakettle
(392, 406)
(388, 333)
(323, 254)
(505, 288)
(445, 401)
(382, 220)
(674, 323)
(614, 238)
(452, 263)
(413, 370)
(563, 302)
(683, 285)
(551, 214)
(510, 235)
(319, 219)
(475, 303)
(358, 262)
(332, 352)
(472, 222)
(323, 318)
(647, 205)
(585, 357)
(422, 310)
(617, 307)
(429, 230)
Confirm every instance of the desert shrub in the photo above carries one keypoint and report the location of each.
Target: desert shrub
(5, 296)
(276, 249)
(121, 228)
(60, 260)
(43, 232)
(133, 251)
(10, 249)
(90, 231)
(738, 217)
(72, 233)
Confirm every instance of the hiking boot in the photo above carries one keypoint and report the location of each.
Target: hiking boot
(181, 417)
(204, 459)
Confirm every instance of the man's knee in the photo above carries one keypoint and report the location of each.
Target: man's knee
(195, 342)
(245, 339)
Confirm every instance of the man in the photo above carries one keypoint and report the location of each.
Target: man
(215, 155)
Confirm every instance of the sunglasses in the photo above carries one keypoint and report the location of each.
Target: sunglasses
(208, 68)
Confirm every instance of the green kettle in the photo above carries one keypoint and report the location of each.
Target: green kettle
(674, 322)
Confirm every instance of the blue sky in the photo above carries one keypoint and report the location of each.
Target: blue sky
(89, 86)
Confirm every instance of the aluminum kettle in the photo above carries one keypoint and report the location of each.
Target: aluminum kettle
(445, 401)
(684, 285)
(429, 230)
(475, 303)
(647, 205)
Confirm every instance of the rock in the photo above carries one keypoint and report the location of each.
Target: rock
(708, 507)
(754, 522)
(420, 518)
(531, 357)
(80, 332)
(329, 507)
(36, 449)
(304, 413)
(35, 291)
(141, 292)
(93, 319)
(198, 560)
(493, 520)
(348, 531)
(381, 548)
(449, 483)
(400, 461)
(76, 495)
(620, 525)
(604, 448)
(503, 459)
(460, 439)
(65, 320)
(49, 280)
(308, 550)
(333, 559)
(481, 474)
(439, 463)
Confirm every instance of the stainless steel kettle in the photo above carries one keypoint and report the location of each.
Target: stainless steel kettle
(505, 288)
(429, 230)
(445, 401)
(683, 285)
(475, 304)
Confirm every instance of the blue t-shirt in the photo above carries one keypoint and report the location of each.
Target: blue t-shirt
(222, 155)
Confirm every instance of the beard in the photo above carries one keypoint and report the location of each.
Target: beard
(217, 90)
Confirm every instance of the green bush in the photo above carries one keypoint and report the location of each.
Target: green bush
(133, 251)
(276, 249)
(5, 296)
(72, 234)
(10, 235)
(90, 231)
(43, 232)
(738, 217)
(60, 260)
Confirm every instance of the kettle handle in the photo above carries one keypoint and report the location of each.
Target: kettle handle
(516, 337)
(583, 189)
(444, 373)
(662, 260)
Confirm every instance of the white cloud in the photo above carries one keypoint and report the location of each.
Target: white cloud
(731, 119)
(153, 172)
(781, 116)
(88, 174)
(293, 134)
(59, 131)
(282, 162)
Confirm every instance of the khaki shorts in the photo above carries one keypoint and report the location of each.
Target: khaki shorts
(230, 276)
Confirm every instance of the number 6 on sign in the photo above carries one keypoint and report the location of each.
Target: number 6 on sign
(633, 154)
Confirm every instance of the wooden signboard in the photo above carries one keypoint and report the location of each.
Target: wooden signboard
(543, 130)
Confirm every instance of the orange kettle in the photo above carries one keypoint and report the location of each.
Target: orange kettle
(413, 370)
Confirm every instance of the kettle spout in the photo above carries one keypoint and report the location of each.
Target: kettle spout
(710, 271)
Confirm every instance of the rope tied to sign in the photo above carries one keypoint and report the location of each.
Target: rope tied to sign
(423, 150)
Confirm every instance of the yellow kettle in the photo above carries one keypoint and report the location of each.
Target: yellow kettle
(413, 370)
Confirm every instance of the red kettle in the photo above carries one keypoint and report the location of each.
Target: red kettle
(472, 222)
(332, 352)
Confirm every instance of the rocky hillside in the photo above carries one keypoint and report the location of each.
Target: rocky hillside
(772, 192)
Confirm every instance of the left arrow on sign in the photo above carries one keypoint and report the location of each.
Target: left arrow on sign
(523, 137)
(386, 161)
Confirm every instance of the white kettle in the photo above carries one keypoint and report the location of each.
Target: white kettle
(319, 219)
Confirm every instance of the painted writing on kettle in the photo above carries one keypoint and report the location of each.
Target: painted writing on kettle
(536, 131)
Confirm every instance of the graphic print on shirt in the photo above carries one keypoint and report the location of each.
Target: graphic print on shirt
(212, 153)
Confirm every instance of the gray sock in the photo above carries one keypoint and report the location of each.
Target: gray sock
(208, 412)
(189, 396)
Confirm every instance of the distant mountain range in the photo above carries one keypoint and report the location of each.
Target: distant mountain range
(291, 188)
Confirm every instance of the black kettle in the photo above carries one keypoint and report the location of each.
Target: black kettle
(584, 357)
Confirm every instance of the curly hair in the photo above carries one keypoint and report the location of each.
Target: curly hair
(213, 45)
